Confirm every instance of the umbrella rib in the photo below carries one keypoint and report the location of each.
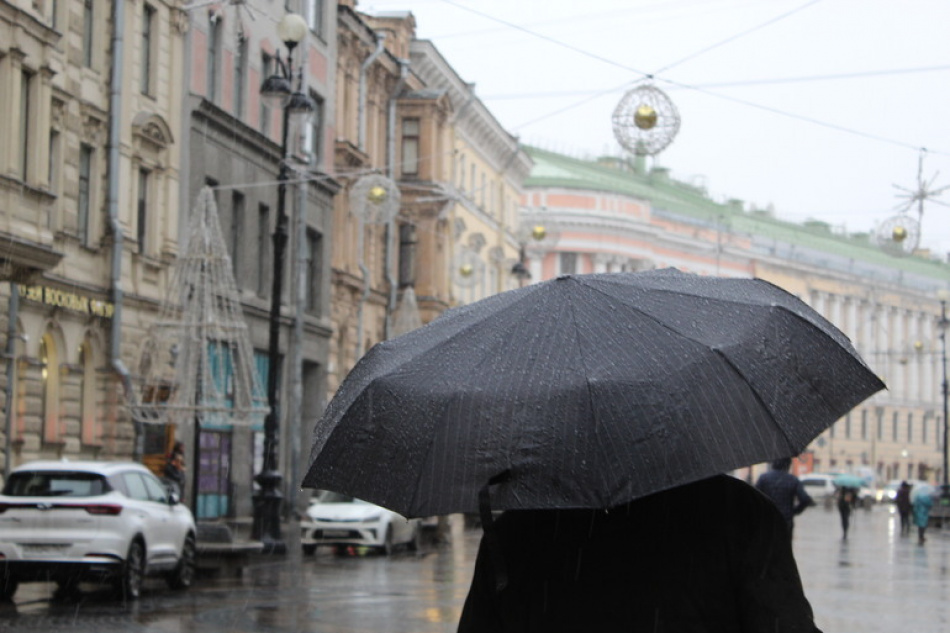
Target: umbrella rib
(590, 394)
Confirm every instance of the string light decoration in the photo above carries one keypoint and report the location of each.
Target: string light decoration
(198, 362)
(900, 234)
(645, 121)
(374, 199)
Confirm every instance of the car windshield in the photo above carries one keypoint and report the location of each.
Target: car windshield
(55, 484)
(328, 496)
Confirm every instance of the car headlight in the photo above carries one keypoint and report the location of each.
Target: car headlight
(374, 518)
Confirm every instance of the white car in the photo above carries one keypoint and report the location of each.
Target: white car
(71, 522)
(341, 521)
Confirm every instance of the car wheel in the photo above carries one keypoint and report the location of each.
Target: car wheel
(66, 590)
(129, 583)
(309, 549)
(8, 586)
(184, 573)
(387, 547)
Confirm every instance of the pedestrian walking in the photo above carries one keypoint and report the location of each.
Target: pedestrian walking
(712, 556)
(846, 502)
(904, 506)
(922, 500)
(174, 471)
(785, 490)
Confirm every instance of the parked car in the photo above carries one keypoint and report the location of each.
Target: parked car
(79, 521)
(339, 520)
(820, 487)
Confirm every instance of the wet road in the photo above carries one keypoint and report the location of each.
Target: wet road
(876, 582)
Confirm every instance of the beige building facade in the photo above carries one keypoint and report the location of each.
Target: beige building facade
(89, 178)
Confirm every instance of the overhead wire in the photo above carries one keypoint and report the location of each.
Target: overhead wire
(652, 76)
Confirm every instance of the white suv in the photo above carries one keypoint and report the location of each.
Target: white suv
(114, 522)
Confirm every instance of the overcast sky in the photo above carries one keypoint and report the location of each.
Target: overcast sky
(817, 107)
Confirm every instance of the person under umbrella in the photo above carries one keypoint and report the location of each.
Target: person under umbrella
(710, 556)
(591, 392)
(922, 500)
(904, 506)
(785, 490)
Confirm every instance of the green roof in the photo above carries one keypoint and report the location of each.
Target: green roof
(617, 175)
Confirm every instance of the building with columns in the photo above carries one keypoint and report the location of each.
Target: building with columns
(89, 178)
(613, 214)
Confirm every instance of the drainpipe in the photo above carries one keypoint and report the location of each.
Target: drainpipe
(12, 308)
(364, 68)
(115, 127)
(391, 233)
(361, 143)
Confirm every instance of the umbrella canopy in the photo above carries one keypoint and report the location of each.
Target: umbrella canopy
(924, 491)
(847, 480)
(584, 392)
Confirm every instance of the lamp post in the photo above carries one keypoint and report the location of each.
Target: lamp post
(942, 324)
(278, 88)
(527, 233)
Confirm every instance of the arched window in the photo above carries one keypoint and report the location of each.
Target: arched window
(87, 394)
(49, 395)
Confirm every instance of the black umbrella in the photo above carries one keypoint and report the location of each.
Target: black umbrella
(584, 392)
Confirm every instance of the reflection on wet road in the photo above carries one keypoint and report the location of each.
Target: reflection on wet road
(876, 582)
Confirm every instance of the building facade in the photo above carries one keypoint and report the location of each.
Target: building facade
(614, 215)
(234, 144)
(89, 180)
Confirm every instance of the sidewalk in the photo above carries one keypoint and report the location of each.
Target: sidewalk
(876, 581)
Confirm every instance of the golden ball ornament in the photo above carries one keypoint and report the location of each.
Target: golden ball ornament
(466, 270)
(377, 194)
(538, 232)
(645, 117)
(899, 234)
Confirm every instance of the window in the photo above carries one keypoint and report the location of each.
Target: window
(315, 16)
(142, 215)
(88, 26)
(148, 25)
(85, 192)
(53, 167)
(461, 182)
(87, 394)
(49, 398)
(894, 426)
(237, 232)
(568, 263)
(314, 141)
(910, 427)
(240, 76)
(864, 427)
(263, 250)
(314, 271)
(267, 69)
(410, 147)
(923, 429)
(26, 85)
(214, 46)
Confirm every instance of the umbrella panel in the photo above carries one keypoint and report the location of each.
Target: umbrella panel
(586, 399)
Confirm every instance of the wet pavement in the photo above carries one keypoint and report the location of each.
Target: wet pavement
(876, 582)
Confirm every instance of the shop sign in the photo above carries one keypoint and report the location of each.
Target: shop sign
(67, 300)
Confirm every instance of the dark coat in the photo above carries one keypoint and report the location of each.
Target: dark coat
(710, 557)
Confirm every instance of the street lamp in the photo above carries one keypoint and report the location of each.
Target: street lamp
(278, 88)
(530, 232)
(942, 324)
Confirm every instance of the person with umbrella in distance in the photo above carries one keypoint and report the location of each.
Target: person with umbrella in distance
(785, 490)
(599, 413)
(922, 499)
(904, 506)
